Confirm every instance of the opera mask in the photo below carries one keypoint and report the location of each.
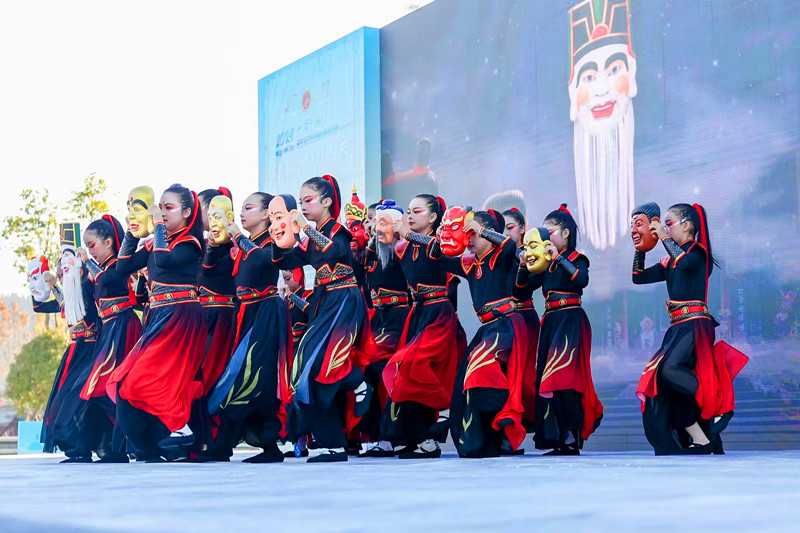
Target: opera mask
(452, 238)
(354, 214)
(536, 260)
(282, 229)
(643, 239)
(386, 214)
(220, 212)
(37, 284)
(140, 224)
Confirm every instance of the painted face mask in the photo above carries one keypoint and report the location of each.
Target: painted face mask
(536, 260)
(452, 239)
(281, 228)
(385, 216)
(643, 238)
(354, 214)
(40, 289)
(220, 212)
(139, 222)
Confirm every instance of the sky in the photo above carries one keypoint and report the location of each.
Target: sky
(148, 92)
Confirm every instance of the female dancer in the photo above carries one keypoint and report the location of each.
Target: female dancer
(686, 389)
(155, 385)
(420, 375)
(567, 407)
(64, 407)
(332, 349)
(217, 294)
(120, 330)
(490, 394)
(249, 396)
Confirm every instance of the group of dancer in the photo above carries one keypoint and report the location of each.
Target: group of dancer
(190, 333)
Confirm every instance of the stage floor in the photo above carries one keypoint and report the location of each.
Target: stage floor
(741, 491)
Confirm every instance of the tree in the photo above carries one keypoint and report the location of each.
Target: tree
(15, 332)
(35, 230)
(89, 204)
(30, 378)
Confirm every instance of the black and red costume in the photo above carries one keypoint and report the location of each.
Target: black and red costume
(689, 379)
(251, 392)
(566, 402)
(419, 376)
(155, 385)
(390, 306)
(328, 363)
(494, 386)
(65, 408)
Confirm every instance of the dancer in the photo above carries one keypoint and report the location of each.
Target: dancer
(515, 225)
(419, 377)
(567, 408)
(390, 308)
(250, 394)
(155, 385)
(491, 392)
(74, 299)
(121, 328)
(327, 365)
(686, 388)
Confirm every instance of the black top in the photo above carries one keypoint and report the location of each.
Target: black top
(684, 270)
(216, 273)
(389, 278)
(418, 266)
(568, 273)
(90, 320)
(253, 268)
(327, 249)
(109, 281)
(490, 276)
(170, 259)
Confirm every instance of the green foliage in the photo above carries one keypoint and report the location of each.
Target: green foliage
(88, 204)
(30, 378)
(35, 230)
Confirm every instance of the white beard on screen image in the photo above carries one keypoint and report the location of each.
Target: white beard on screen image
(74, 310)
(604, 179)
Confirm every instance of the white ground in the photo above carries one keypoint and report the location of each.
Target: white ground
(741, 491)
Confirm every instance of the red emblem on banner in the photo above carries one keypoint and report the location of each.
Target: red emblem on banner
(306, 100)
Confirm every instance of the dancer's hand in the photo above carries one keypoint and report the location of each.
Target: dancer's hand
(232, 229)
(658, 229)
(472, 226)
(550, 248)
(299, 218)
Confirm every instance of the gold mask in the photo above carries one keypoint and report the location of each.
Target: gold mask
(139, 221)
(536, 260)
(220, 212)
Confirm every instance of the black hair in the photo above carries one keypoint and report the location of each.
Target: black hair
(373, 206)
(188, 200)
(696, 214)
(205, 196)
(108, 227)
(491, 219)
(517, 215)
(650, 210)
(265, 198)
(563, 218)
(328, 187)
(436, 205)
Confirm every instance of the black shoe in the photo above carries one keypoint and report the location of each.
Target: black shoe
(114, 458)
(509, 452)
(363, 399)
(716, 443)
(156, 459)
(419, 453)
(269, 455)
(564, 450)
(405, 449)
(77, 459)
(290, 454)
(209, 457)
(177, 442)
(377, 452)
(328, 457)
(699, 449)
(715, 428)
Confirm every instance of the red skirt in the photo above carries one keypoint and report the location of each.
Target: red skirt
(159, 376)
